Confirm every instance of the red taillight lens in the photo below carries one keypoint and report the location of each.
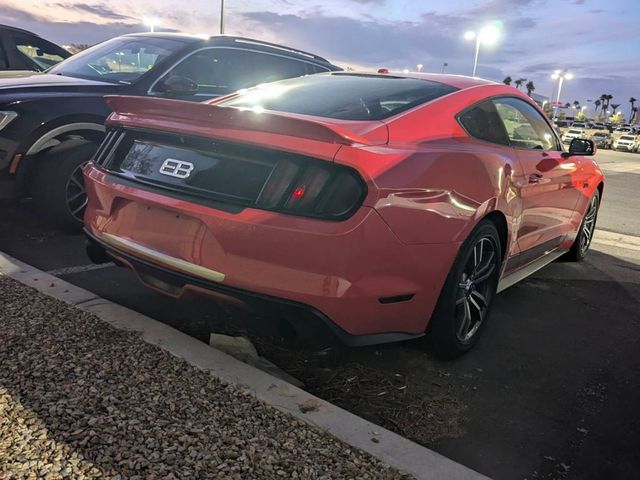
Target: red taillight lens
(315, 189)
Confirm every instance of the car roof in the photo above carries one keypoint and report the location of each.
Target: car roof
(232, 40)
(21, 30)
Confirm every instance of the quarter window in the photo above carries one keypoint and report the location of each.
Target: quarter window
(525, 126)
(483, 122)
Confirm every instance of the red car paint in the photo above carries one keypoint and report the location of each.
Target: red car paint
(428, 185)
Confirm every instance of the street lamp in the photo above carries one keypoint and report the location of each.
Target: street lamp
(151, 22)
(560, 75)
(488, 35)
(221, 17)
(419, 67)
(444, 65)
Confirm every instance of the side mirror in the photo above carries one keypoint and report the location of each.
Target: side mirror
(177, 86)
(581, 146)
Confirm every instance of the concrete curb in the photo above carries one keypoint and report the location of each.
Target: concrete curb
(620, 240)
(389, 447)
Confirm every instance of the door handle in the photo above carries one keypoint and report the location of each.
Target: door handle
(535, 178)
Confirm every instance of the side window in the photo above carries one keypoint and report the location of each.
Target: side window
(525, 126)
(483, 122)
(38, 52)
(219, 71)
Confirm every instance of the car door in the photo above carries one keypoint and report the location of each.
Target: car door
(548, 186)
(218, 71)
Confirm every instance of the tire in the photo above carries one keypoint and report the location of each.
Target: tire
(467, 294)
(57, 185)
(582, 242)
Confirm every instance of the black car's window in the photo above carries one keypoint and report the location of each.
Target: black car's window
(122, 59)
(483, 122)
(525, 126)
(342, 96)
(219, 71)
(36, 52)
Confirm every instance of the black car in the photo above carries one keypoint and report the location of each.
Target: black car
(24, 50)
(51, 124)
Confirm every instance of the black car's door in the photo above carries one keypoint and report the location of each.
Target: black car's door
(217, 71)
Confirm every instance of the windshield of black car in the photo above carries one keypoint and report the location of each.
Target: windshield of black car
(119, 60)
(341, 96)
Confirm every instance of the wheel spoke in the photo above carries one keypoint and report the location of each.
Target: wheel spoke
(466, 320)
(476, 305)
(482, 298)
(486, 274)
(482, 269)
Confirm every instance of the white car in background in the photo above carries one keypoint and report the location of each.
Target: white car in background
(627, 143)
(571, 134)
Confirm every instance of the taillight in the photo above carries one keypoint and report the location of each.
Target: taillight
(315, 189)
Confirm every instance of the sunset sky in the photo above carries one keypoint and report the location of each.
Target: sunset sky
(597, 40)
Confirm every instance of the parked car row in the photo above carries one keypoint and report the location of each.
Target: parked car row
(622, 138)
(385, 205)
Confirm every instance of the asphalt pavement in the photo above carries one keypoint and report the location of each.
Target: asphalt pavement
(550, 392)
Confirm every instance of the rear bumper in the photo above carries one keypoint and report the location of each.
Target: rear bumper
(354, 274)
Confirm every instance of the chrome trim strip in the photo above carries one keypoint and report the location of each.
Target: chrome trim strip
(524, 272)
(176, 263)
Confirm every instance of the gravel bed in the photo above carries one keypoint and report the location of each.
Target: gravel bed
(79, 399)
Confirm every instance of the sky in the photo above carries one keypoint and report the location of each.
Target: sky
(596, 40)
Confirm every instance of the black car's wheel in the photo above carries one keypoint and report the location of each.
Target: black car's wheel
(58, 186)
(465, 301)
(582, 242)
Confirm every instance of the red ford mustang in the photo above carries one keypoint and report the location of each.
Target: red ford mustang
(385, 205)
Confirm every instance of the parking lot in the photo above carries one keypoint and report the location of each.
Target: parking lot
(546, 394)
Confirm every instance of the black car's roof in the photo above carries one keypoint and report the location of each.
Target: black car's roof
(21, 30)
(231, 40)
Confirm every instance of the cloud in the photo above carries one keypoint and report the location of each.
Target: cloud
(98, 10)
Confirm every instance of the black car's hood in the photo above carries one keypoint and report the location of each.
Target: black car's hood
(20, 81)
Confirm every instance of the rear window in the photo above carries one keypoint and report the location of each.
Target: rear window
(627, 137)
(342, 96)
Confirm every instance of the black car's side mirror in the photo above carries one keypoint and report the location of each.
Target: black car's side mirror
(177, 86)
(581, 146)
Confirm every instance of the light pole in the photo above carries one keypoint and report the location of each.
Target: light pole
(444, 65)
(560, 75)
(486, 36)
(419, 67)
(221, 17)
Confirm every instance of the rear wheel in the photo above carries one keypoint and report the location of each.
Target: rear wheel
(58, 185)
(582, 242)
(466, 298)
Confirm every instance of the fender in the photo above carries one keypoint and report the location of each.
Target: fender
(48, 139)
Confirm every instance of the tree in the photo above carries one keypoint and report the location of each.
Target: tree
(632, 101)
(597, 104)
(519, 82)
(567, 105)
(507, 80)
(530, 87)
(576, 104)
(615, 107)
(606, 99)
(581, 117)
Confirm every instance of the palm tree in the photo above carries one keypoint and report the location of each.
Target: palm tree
(507, 80)
(607, 101)
(576, 104)
(615, 107)
(530, 87)
(597, 104)
(519, 82)
(567, 105)
(632, 101)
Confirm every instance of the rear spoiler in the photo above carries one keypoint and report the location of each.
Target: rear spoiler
(175, 115)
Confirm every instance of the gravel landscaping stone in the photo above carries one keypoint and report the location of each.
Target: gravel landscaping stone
(80, 399)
